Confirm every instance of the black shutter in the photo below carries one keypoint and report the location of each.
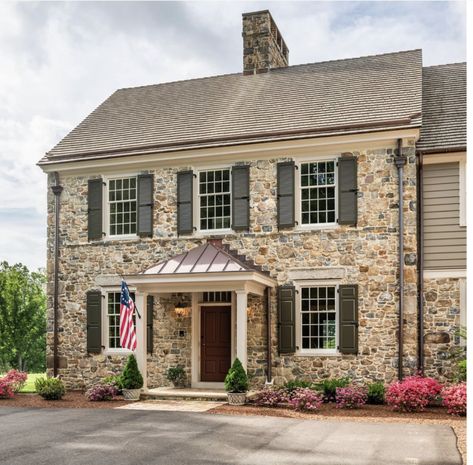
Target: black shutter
(348, 326)
(286, 173)
(95, 206)
(184, 202)
(287, 318)
(94, 322)
(149, 323)
(145, 205)
(241, 198)
(347, 191)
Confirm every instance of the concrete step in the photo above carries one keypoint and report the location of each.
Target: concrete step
(216, 395)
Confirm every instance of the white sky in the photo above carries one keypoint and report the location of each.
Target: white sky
(58, 61)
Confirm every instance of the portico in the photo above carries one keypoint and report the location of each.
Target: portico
(218, 326)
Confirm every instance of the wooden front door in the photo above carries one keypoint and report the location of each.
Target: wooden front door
(215, 336)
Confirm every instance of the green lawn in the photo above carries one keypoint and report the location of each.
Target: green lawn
(29, 385)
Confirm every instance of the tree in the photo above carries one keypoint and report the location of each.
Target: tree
(22, 318)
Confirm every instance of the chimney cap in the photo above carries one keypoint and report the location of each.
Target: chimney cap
(251, 13)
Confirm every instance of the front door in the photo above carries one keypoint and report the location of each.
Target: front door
(215, 334)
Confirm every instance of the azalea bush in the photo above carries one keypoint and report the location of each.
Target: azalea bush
(351, 397)
(11, 383)
(413, 394)
(101, 392)
(454, 398)
(294, 384)
(306, 399)
(328, 387)
(270, 397)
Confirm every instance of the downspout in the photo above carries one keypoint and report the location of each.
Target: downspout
(420, 261)
(269, 376)
(57, 189)
(400, 162)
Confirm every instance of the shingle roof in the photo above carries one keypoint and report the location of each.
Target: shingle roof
(349, 95)
(443, 108)
(206, 258)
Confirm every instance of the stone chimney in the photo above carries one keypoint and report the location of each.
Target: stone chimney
(263, 46)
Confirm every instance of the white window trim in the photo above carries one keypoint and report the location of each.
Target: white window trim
(298, 195)
(196, 195)
(105, 324)
(106, 208)
(315, 352)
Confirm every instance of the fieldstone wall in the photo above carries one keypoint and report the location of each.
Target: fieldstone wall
(365, 254)
(442, 322)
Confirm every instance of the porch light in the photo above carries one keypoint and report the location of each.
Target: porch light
(182, 309)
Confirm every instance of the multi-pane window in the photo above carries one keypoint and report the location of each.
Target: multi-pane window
(218, 296)
(318, 192)
(318, 317)
(113, 316)
(215, 202)
(122, 203)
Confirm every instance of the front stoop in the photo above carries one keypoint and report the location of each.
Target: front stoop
(169, 393)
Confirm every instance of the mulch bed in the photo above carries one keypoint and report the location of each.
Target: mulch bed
(369, 413)
(72, 399)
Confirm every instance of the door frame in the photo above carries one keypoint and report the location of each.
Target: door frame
(195, 336)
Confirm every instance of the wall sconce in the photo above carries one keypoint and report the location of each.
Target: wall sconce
(182, 309)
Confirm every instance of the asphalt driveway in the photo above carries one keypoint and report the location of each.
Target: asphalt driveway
(118, 437)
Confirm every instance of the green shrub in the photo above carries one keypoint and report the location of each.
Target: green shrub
(131, 377)
(376, 392)
(176, 375)
(236, 379)
(461, 371)
(115, 381)
(50, 388)
(329, 387)
(293, 384)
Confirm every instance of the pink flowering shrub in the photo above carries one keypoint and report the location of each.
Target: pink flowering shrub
(306, 399)
(101, 392)
(350, 397)
(454, 398)
(12, 382)
(16, 379)
(270, 397)
(413, 394)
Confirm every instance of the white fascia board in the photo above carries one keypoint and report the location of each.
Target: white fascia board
(249, 151)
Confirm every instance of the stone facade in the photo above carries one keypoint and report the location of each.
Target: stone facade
(365, 254)
(442, 316)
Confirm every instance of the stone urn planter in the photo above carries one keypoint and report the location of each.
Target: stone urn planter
(131, 394)
(236, 398)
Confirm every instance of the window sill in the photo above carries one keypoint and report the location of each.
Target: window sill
(317, 353)
(122, 352)
(213, 232)
(125, 237)
(315, 227)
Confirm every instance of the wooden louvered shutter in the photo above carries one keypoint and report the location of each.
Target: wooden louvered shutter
(241, 198)
(145, 205)
(348, 319)
(94, 322)
(347, 191)
(95, 207)
(149, 323)
(287, 319)
(286, 172)
(184, 202)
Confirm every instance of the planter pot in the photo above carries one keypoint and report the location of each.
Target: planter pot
(236, 398)
(131, 394)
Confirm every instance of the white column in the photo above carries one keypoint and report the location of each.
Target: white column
(241, 329)
(140, 352)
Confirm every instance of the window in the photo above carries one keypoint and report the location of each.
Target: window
(317, 185)
(218, 296)
(214, 199)
(122, 206)
(113, 319)
(318, 318)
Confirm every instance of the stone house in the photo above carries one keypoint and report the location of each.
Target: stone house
(257, 215)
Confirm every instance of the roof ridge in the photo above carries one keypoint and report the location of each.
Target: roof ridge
(273, 70)
(445, 64)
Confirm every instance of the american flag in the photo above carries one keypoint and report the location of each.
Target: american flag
(127, 327)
